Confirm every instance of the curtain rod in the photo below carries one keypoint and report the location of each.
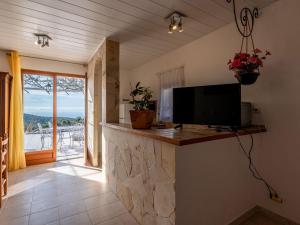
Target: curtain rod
(32, 57)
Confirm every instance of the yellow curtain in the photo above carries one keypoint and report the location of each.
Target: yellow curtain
(16, 156)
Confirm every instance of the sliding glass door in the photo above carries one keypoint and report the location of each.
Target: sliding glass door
(38, 101)
(70, 117)
(54, 112)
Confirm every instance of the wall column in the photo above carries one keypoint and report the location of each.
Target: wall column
(103, 96)
(110, 82)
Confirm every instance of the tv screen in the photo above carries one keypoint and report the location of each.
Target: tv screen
(218, 105)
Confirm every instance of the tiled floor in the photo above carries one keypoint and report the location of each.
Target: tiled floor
(62, 193)
(261, 219)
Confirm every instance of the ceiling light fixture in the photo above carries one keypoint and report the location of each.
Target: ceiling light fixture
(42, 40)
(176, 19)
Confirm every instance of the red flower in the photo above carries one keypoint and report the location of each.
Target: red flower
(247, 62)
(242, 56)
(259, 62)
(236, 63)
(252, 59)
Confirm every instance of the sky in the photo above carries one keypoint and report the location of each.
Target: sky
(40, 103)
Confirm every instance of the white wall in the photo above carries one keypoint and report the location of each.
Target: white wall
(43, 64)
(124, 84)
(213, 186)
(52, 66)
(275, 93)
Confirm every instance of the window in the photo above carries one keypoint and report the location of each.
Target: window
(168, 80)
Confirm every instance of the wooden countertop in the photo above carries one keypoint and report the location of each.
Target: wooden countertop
(187, 135)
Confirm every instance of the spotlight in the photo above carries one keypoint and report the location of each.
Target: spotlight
(170, 29)
(47, 42)
(175, 22)
(180, 27)
(38, 41)
(42, 40)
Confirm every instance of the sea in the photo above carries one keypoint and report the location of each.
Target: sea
(59, 114)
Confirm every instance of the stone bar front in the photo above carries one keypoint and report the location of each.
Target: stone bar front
(182, 177)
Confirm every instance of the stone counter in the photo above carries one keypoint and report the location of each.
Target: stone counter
(143, 170)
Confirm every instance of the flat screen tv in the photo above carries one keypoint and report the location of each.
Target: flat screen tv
(216, 105)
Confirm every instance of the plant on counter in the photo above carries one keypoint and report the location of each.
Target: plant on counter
(141, 116)
(141, 97)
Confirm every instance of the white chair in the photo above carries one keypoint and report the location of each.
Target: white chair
(77, 136)
(44, 134)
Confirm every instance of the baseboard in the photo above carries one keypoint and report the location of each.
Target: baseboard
(258, 209)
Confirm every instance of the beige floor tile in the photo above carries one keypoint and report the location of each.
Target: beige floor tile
(93, 191)
(100, 200)
(62, 193)
(114, 221)
(46, 186)
(44, 194)
(19, 199)
(47, 203)
(44, 217)
(18, 191)
(71, 209)
(15, 211)
(18, 221)
(69, 198)
(106, 212)
(54, 223)
(78, 219)
(123, 219)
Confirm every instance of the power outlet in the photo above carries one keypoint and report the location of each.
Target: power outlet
(276, 198)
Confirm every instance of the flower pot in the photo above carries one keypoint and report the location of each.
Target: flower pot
(247, 77)
(142, 119)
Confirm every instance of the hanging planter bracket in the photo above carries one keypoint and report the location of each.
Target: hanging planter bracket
(246, 19)
(246, 63)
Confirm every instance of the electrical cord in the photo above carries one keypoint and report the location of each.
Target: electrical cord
(254, 171)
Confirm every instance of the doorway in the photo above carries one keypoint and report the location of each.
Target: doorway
(70, 117)
(54, 116)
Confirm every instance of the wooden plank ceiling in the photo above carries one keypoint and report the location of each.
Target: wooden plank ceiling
(79, 26)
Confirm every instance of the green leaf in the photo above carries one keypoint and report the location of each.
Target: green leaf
(137, 84)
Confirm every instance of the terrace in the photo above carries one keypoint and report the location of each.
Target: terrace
(70, 141)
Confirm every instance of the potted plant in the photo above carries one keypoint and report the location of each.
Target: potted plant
(246, 66)
(141, 116)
